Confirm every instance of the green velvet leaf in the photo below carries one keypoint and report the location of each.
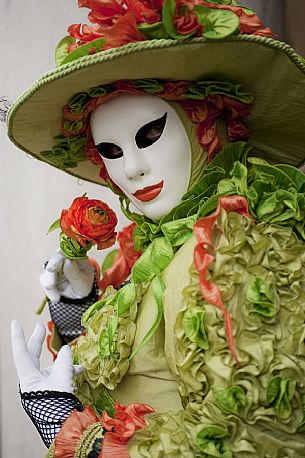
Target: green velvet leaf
(202, 89)
(158, 288)
(193, 325)
(149, 85)
(104, 402)
(112, 327)
(72, 249)
(179, 231)
(54, 226)
(280, 392)
(98, 91)
(212, 441)
(93, 47)
(108, 296)
(218, 24)
(77, 102)
(151, 31)
(125, 298)
(295, 175)
(61, 50)
(141, 271)
(108, 261)
(259, 294)
(66, 152)
(161, 254)
(230, 399)
(103, 344)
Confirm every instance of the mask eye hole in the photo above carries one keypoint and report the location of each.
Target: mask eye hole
(109, 150)
(151, 132)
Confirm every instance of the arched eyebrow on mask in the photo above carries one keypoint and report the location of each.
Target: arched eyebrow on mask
(5, 105)
(150, 132)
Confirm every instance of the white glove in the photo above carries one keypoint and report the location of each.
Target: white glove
(63, 277)
(58, 377)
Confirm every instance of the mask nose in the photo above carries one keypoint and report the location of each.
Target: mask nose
(135, 164)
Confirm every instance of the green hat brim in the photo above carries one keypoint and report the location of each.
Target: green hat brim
(269, 69)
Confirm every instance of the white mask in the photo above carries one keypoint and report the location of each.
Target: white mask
(145, 149)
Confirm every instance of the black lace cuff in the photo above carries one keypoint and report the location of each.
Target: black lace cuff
(67, 313)
(48, 410)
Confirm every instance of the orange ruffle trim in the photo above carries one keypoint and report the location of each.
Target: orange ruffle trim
(203, 257)
(127, 420)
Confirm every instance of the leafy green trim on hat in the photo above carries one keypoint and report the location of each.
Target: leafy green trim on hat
(203, 101)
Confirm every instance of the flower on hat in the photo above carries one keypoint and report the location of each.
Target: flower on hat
(119, 22)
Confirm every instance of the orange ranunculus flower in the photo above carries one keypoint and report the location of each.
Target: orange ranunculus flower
(89, 221)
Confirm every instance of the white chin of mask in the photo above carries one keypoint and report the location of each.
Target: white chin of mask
(146, 151)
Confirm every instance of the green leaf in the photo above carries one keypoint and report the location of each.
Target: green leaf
(218, 24)
(72, 249)
(112, 327)
(230, 399)
(103, 344)
(54, 226)
(149, 85)
(158, 288)
(161, 254)
(280, 392)
(85, 50)
(61, 50)
(141, 271)
(126, 297)
(109, 259)
(104, 402)
(259, 294)
(295, 175)
(151, 31)
(193, 325)
(212, 440)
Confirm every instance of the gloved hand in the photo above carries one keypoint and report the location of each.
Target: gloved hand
(58, 377)
(63, 277)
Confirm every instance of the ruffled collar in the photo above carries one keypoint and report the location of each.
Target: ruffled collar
(177, 224)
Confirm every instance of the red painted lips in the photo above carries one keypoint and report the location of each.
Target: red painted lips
(149, 193)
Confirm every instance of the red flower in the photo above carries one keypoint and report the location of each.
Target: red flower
(123, 262)
(124, 31)
(103, 12)
(89, 221)
(196, 110)
(84, 33)
(71, 431)
(126, 421)
(188, 23)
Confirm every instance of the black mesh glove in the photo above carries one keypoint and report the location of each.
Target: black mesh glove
(67, 313)
(48, 410)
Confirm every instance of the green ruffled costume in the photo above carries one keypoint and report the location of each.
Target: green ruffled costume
(156, 341)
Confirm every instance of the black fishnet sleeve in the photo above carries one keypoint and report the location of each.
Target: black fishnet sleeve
(48, 410)
(67, 313)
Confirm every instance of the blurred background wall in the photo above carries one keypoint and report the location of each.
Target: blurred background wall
(33, 194)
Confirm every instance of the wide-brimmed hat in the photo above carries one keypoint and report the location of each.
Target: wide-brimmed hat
(189, 40)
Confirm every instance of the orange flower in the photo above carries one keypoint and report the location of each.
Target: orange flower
(71, 431)
(126, 421)
(89, 221)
